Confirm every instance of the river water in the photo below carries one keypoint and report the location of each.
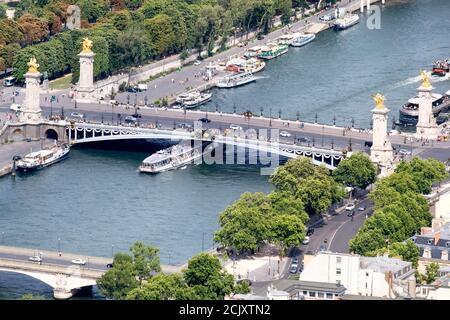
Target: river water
(97, 203)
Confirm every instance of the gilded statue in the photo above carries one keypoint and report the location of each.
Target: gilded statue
(33, 66)
(87, 45)
(379, 101)
(425, 79)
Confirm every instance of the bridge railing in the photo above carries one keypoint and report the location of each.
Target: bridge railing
(50, 268)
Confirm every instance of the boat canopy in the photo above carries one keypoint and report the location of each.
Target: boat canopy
(37, 154)
(415, 100)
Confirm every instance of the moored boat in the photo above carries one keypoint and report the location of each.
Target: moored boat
(177, 156)
(196, 101)
(251, 65)
(272, 51)
(252, 52)
(346, 22)
(409, 112)
(303, 39)
(236, 80)
(43, 158)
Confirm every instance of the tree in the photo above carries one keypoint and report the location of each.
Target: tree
(34, 29)
(366, 241)
(431, 272)
(423, 172)
(161, 287)
(145, 260)
(118, 281)
(205, 276)
(407, 251)
(286, 203)
(242, 288)
(287, 231)
(356, 171)
(160, 33)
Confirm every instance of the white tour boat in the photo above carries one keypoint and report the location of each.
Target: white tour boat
(236, 80)
(346, 22)
(204, 97)
(172, 158)
(303, 39)
(43, 158)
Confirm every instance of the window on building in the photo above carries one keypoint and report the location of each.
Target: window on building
(430, 241)
(338, 270)
(321, 295)
(329, 296)
(338, 259)
(312, 294)
(447, 244)
(305, 293)
(338, 282)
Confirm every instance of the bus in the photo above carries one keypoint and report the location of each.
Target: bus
(9, 81)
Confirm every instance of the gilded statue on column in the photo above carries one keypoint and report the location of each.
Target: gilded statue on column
(33, 66)
(425, 79)
(379, 101)
(87, 45)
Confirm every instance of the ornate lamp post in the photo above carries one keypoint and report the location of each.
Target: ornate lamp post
(315, 118)
(332, 144)
(334, 120)
(279, 114)
(128, 100)
(270, 116)
(371, 124)
(314, 141)
(298, 116)
(353, 122)
(261, 109)
(234, 108)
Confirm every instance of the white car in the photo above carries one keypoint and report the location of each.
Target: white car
(16, 107)
(235, 127)
(35, 258)
(350, 207)
(306, 240)
(404, 152)
(197, 62)
(77, 115)
(79, 261)
(285, 134)
(325, 18)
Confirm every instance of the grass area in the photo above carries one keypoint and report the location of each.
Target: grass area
(61, 83)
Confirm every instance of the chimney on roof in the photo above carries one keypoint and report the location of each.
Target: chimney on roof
(437, 236)
(436, 225)
(444, 255)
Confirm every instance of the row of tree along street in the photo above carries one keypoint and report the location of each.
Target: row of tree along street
(128, 32)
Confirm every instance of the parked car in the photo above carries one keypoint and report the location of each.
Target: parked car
(16, 107)
(35, 258)
(306, 240)
(293, 269)
(350, 207)
(295, 260)
(185, 125)
(79, 261)
(404, 152)
(204, 120)
(260, 37)
(77, 115)
(361, 208)
(310, 232)
(197, 62)
(304, 139)
(131, 120)
(325, 18)
(235, 127)
(285, 134)
(350, 213)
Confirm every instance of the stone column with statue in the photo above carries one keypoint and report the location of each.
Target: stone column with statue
(31, 105)
(85, 89)
(381, 152)
(426, 126)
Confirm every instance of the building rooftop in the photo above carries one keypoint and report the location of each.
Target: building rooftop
(383, 264)
(291, 285)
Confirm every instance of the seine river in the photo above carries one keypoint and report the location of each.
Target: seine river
(97, 203)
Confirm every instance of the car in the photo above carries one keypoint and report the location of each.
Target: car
(404, 152)
(368, 144)
(310, 232)
(132, 89)
(77, 115)
(285, 134)
(325, 18)
(35, 258)
(204, 120)
(361, 208)
(306, 240)
(350, 213)
(295, 260)
(16, 107)
(293, 269)
(197, 62)
(304, 139)
(131, 119)
(109, 265)
(260, 37)
(79, 261)
(185, 125)
(350, 207)
(235, 127)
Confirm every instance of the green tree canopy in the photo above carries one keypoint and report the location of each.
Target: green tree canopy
(145, 260)
(161, 287)
(356, 171)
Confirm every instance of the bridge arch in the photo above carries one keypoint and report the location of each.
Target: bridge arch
(51, 134)
(17, 134)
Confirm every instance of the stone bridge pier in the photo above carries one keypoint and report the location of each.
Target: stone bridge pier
(15, 132)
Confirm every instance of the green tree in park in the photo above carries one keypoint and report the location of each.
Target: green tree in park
(206, 278)
(423, 172)
(118, 281)
(162, 287)
(366, 240)
(431, 272)
(286, 203)
(287, 231)
(145, 260)
(242, 288)
(356, 171)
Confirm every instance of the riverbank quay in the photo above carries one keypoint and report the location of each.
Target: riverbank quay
(17, 148)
